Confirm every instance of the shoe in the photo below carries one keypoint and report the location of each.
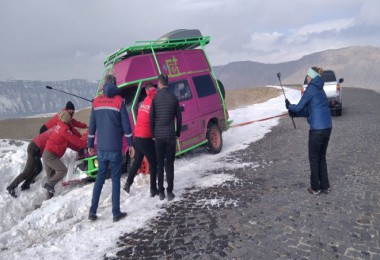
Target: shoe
(127, 187)
(171, 196)
(12, 192)
(153, 192)
(92, 217)
(122, 215)
(25, 186)
(162, 195)
(49, 188)
(311, 191)
(49, 195)
(326, 191)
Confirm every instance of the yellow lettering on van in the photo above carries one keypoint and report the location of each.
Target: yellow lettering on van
(172, 67)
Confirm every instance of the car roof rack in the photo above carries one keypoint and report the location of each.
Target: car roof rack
(160, 45)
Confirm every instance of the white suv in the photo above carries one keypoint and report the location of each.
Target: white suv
(333, 91)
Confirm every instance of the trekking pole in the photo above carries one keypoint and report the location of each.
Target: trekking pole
(283, 92)
(48, 87)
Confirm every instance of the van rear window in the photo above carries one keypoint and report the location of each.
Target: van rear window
(204, 86)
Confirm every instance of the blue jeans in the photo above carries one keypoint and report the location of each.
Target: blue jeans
(113, 159)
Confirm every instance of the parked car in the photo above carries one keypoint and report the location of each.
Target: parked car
(333, 91)
(191, 79)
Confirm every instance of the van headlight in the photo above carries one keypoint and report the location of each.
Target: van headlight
(96, 163)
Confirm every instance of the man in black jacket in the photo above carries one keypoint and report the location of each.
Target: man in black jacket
(164, 109)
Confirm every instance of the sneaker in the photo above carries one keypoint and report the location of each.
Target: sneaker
(12, 192)
(122, 215)
(49, 188)
(25, 186)
(127, 187)
(171, 196)
(92, 217)
(314, 192)
(153, 192)
(326, 191)
(162, 195)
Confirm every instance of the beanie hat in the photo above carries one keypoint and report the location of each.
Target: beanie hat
(70, 106)
(312, 73)
(64, 117)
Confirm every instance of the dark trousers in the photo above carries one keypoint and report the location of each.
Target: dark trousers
(318, 142)
(144, 147)
(165, 149)
(33, 167)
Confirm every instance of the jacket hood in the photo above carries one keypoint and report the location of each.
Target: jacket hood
(318, 82)
(110, 90)
(152, 92)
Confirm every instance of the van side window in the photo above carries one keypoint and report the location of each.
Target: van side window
(204, 86)
(180, 89)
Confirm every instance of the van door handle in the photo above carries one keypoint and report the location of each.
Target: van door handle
(182, 108)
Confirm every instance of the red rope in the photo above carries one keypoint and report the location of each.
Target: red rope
(258, 120)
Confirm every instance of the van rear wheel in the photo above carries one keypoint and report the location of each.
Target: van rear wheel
(214, 138)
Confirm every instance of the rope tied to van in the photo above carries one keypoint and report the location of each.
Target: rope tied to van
(258, 120)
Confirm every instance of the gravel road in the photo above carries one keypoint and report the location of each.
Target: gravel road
(274, 216)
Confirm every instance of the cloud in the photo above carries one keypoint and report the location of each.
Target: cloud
(50, 40)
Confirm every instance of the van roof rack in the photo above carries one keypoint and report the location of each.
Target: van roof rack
(162, 44)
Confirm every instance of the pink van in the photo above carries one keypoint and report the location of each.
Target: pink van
(191, 79)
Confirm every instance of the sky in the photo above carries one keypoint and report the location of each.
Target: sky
(59, 40)
(59, 229)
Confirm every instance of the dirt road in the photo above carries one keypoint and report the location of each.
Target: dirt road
(275, 217)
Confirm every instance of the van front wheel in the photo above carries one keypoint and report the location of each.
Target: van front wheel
(214, 138)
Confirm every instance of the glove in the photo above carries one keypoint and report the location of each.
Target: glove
(287, 103)
(292, 114)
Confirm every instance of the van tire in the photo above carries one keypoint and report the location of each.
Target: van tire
(222, 89)
(214, 138)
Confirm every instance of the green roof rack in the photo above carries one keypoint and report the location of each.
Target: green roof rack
(143, 47)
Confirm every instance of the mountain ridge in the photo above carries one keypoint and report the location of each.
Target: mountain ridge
(356, 64)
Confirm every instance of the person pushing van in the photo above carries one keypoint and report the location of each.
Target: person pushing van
(163, 112)
(144, 144)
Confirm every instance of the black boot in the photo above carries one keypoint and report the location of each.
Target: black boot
(127, 187)
(12, 192)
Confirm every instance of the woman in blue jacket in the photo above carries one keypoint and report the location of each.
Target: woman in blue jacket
(314, 106)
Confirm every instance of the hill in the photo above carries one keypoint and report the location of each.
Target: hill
(358, 65)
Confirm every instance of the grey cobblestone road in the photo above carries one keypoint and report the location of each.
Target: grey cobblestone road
(274, 217)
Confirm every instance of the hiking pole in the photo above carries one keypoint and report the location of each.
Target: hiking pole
(48, 87)
(283, 92)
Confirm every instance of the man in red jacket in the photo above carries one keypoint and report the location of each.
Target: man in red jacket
(74, 123)
(61, 138)
(33, 165)
(144, 144)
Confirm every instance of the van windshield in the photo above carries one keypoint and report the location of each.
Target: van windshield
(128, 94)
(327, 76)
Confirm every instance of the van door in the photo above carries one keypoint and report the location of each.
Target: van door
(209, 102)
(190, 132)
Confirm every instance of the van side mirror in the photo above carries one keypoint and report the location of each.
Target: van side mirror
(341, 80)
